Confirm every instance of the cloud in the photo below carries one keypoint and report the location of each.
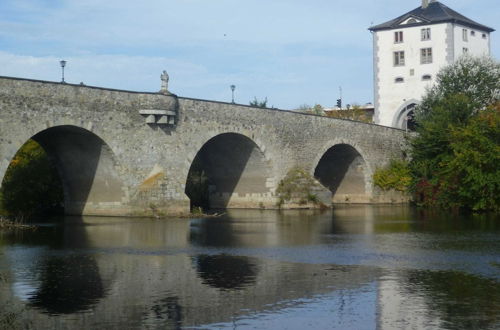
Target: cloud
(291, 51)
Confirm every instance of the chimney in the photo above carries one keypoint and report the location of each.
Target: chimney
(425, 3)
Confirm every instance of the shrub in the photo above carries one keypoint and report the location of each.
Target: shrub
(297, 185)
(395, 176)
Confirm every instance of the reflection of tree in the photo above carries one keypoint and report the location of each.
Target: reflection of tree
(165, 313)
(226, 272)
(464, 301)
(68, 284)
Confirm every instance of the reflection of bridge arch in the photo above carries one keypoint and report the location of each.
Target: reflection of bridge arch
(343, 169)
(404, 117)
(230, 170)
(86, 167)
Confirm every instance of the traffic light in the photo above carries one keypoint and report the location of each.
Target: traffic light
(339, 103)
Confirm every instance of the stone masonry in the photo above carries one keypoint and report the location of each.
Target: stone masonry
(130, 153)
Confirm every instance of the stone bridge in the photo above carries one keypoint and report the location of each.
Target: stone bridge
(130, 153)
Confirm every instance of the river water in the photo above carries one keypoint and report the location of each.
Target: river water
(356, 267)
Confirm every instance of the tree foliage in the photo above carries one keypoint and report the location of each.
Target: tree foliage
(31, 184)
(259, 104)
(396, 176)
(455, 155)
(355, 113)
(475, 78)
(317, 109)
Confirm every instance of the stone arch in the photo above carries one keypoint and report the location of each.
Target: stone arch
(403, 118)
(230, 170)
(341, 167)
(87, 168)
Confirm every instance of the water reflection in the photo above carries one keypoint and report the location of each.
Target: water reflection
(469, 301)
(438, 299)
(385, 265)
(165, 313)
(226, 272)
(256, 228)
(67, 284)
(51, 282)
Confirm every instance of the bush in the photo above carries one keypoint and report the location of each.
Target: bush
(298, 185)
(395, 176)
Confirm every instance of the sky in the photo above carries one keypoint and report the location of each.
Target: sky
(293, 52)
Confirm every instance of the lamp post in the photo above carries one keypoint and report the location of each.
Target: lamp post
(63, 64)
(233, 87)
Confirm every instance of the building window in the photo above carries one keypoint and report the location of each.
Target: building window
(412, 72)
(412, 21)
(399, 58)
(399, 80)
(398, 37)
(425, 55)
(465, 50)
(473, 33)
(426, 77)
(464, 35)
(426, 34)
(484, 35)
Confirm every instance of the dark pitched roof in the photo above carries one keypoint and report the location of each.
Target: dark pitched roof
(436, 12)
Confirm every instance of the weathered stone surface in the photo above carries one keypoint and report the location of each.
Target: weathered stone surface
(105, 151)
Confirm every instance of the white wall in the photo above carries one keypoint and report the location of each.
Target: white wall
(476, 45)
(447, 46)
(391, 95)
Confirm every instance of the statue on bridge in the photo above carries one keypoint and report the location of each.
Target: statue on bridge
(164, 82)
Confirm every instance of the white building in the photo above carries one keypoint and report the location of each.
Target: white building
(409, 50)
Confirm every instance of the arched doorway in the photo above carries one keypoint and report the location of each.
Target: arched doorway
(86, 168)
(342, 170)
(405, 116)
(229, 171)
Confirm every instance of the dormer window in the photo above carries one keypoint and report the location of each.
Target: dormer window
(412, 21)
(398, 37)
(425, 34)
(399, 80)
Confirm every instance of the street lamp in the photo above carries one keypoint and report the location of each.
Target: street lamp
(233, 87)
(63, 64)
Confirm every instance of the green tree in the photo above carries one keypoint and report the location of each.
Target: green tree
(31, 184)
(258, 104)
(453, 155)
(476, 78)
(318, 110)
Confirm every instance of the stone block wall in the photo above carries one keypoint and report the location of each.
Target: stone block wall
(141, 166)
